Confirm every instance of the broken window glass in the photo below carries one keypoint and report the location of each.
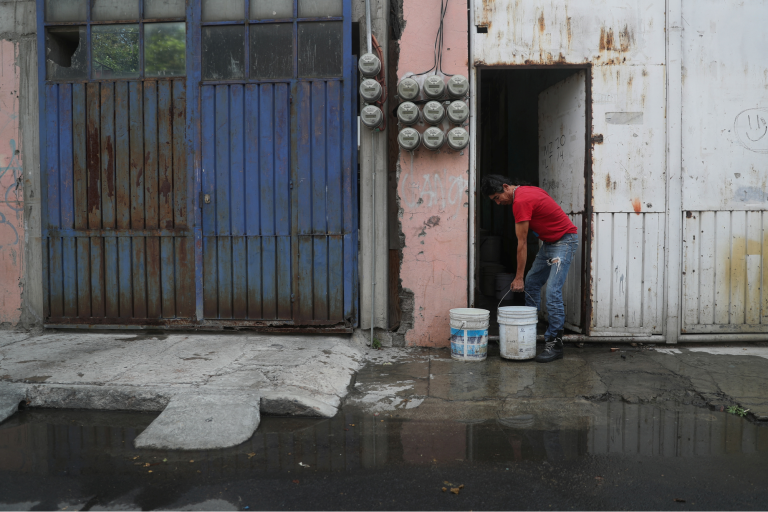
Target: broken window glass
(223, 49)
(158, 9)
(64, 10)
(271, 9)
(165, 47)
(272, 50)
(223, 10)
(320, 49)
(114, 10)
(319, 8)
(115, 51)
(65, 53)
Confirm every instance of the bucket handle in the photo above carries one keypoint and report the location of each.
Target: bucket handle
(505, 296)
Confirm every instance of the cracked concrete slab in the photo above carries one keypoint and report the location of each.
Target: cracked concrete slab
(303, 375)
(194, 421)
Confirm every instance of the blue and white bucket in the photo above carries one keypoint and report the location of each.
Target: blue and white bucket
(469, 334)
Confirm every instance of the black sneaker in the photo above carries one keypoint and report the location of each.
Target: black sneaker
(553, 349)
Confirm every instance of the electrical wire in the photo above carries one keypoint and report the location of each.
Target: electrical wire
(438, 54)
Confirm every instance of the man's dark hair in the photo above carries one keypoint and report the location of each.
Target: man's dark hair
(494, 184)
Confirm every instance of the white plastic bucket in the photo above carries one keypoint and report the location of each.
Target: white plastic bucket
(503, 283)
(517, 332)
(469, 334)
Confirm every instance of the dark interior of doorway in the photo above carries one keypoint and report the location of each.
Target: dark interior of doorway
(508, 144)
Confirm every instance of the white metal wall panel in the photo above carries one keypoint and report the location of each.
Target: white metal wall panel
(627, 270)
(725, 105)
(562, 135)
(725, 274)
(572, 287)
(629, 166)
(575, 31)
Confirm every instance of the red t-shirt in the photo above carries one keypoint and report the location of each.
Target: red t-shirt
(547, 220)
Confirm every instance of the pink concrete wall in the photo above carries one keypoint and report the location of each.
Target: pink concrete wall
(433, 187)
(11, 196)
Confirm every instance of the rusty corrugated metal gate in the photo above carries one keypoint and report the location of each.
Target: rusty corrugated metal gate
(226, 197)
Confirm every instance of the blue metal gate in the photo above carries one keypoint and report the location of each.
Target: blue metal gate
(227, 197)
(279, 210)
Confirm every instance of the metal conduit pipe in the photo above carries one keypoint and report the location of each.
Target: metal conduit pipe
(368, 25)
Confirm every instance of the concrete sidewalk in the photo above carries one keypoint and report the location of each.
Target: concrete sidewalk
(426, 384)
(215, 385)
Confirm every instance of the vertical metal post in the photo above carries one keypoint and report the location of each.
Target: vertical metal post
(373, 225)
(673, 235)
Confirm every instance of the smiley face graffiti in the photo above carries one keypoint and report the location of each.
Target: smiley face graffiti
(751, 127)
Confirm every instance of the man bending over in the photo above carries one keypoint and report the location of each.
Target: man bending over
(535, 210)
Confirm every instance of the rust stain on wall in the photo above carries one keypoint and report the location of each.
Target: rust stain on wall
(542, 25)
(636, 205)
(608, 40)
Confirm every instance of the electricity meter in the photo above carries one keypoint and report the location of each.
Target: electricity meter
(434, 87)
(458, 138)
(408, 89)
(409, 139)
(370, 90)
(408, 113)
(434, 112)
(458, 86)
(372, 116)
(434, 138)
(458, 112)
(369, 65)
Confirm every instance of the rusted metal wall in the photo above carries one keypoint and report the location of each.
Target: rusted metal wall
(117, 243)
(725, 167)
(623, 43)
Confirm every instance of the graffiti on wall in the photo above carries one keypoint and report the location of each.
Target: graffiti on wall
(10, 181)
(751, 127)
(430, 190)
(11, 189)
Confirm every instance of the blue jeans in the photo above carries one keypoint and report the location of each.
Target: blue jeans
(548, 270)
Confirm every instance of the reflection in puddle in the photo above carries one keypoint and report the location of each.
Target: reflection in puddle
(83, 443)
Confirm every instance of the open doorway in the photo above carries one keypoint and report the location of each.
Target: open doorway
(533, 127)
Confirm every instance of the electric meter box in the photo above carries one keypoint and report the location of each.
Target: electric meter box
(458, 138)
(369, 65)
(434, 87)
(458, 112)
(434, 112)
(458, 86)
(408, 113)
(433, 138)
(370, 90)
(408, 89)
(372, 116)
(408, 139)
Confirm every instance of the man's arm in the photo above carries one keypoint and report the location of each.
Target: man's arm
(521, 229)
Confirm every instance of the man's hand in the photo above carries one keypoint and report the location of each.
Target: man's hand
(518, 285)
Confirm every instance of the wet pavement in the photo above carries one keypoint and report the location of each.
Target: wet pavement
(594, 431)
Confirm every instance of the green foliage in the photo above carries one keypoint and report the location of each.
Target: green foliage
(376, 345)
(165, 49)
(739, 411)
(115, 50)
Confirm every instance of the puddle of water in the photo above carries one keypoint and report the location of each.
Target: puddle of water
(98, 447)
(77, 442)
